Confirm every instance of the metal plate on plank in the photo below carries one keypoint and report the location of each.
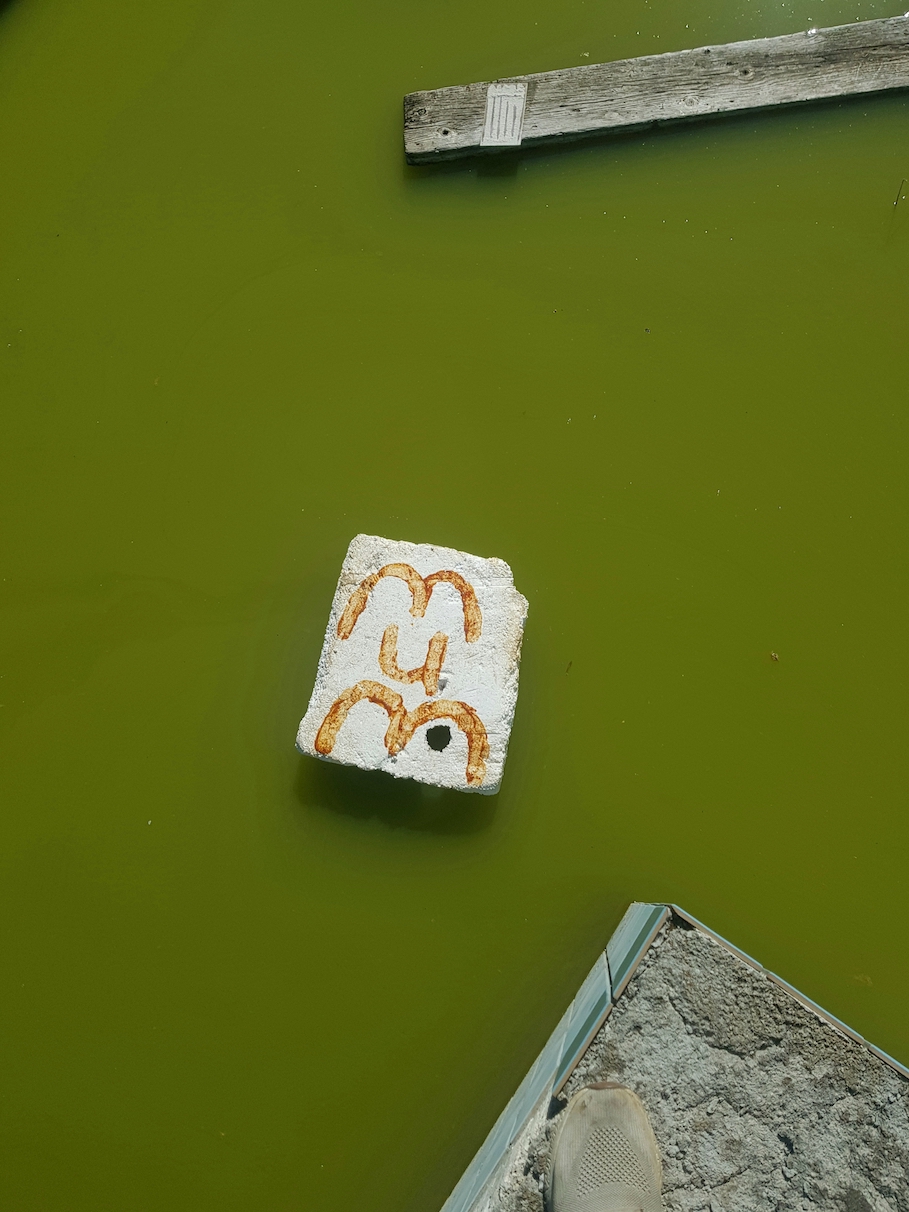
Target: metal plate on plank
(504, 124)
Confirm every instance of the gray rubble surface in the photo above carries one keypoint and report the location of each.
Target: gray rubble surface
(756, 1102)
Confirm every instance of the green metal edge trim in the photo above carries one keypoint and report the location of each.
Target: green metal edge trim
(578, 1045)
(622, 969)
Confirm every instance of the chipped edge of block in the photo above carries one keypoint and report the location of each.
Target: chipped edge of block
(599, 993)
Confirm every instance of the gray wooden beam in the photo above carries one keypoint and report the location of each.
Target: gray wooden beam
(579, 102)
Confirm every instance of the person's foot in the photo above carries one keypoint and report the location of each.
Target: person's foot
(604, 1156)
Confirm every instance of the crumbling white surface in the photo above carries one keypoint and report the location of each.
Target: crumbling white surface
(477, 679)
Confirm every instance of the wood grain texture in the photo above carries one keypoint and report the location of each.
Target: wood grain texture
(846, 60)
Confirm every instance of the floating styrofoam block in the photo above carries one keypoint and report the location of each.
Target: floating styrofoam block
(419, 670)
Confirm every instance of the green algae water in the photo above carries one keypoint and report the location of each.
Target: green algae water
(662, 376)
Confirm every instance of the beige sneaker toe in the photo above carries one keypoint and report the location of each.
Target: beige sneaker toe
(604, 1156)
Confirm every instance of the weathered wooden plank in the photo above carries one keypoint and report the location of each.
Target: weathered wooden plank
(846, 60)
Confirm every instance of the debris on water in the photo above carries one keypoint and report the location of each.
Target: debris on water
(774, 656)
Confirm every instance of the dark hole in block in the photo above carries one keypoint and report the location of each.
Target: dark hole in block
(439, 737)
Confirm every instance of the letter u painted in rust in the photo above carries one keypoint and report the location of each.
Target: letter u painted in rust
(427, 673)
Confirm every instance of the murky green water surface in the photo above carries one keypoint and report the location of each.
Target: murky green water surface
(663, 377)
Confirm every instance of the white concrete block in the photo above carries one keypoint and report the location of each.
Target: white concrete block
(419, 670)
